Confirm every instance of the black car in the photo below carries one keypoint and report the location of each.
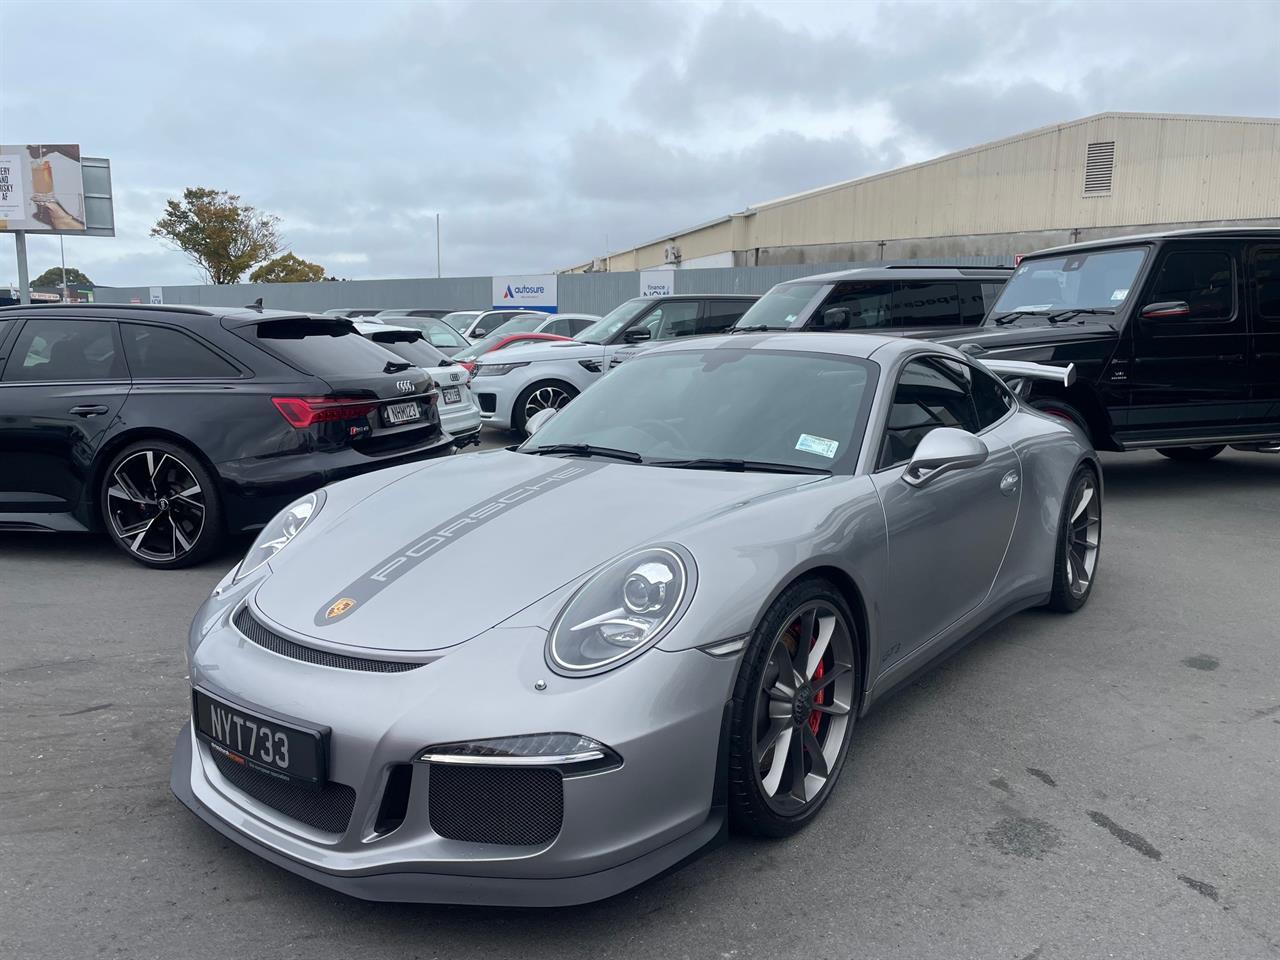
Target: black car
(171, 426)
(1175, 338)
(880, 300)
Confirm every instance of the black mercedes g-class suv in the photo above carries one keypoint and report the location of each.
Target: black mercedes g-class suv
(1175, 338)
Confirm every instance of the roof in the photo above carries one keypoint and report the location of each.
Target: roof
(905, 272)
(1238, 232)
(239, 316)
(860, 345)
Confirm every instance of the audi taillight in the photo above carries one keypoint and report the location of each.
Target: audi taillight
(468, 365)
(302, 412)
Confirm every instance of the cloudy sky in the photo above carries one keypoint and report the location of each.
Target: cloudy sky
(543, 131)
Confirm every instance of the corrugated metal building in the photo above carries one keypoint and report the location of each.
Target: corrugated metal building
(1104, 175)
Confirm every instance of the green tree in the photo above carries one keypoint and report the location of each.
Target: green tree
(53, 278)
(287, 268)
(218, 233)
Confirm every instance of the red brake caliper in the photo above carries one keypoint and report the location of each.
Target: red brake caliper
(821, 697)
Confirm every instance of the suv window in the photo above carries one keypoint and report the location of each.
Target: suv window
(577, 325)
(329, 347)
(721, 315)
(855, 305)
(65, 350)
(1204, 279)
(675, 319)
(159, 353)
(1266, 270)
(925, 303)
(930, 393)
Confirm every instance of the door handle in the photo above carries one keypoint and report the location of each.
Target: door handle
(1232, 358)
(88, 410)
(1009, 482)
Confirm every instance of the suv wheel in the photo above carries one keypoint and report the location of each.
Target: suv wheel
(160, 505)
(547, 395)
(1192, 454)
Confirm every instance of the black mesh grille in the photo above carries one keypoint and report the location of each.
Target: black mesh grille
(263, 636)
(495, 804)
(328, 808)
(488, 402)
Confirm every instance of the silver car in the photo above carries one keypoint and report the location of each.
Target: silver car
(540, 676)
(459, 415)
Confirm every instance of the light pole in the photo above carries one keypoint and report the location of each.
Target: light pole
(437, 246)
(62, 249)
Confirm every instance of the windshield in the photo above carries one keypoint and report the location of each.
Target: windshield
(477, 348)
(783, 407)
(525, 324)
(1079, 281)
(437, 332)
(613, 321)
(780, 307)
(460, 319)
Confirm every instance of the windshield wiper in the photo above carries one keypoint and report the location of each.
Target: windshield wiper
(394, 367)
(738, 466)
(1066, 314)
(589, 450)
(1012, 315)
(758, 328)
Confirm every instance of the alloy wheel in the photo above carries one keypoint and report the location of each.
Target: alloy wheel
(1083, 536)
(545, 398)
(802, 709)
(155, 505)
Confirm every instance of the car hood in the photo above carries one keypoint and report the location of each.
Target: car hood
(444, 553)
(1017, 335)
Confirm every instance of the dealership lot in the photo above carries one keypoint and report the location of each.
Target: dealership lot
(1106, 784)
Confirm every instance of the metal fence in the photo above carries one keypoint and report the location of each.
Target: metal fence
(577, 292)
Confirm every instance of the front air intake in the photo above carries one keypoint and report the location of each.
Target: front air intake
(483, 804)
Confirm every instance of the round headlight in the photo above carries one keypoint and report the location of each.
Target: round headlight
(279, 533)
(623, 609)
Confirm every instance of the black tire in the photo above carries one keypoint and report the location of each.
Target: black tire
(1067, 596)
(751, 810)
(520, 412)
(1064, 411)
(1192, 454)
(192, 520)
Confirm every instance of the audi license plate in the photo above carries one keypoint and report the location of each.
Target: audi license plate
(260, 743)
(397, 413)
(452, 394)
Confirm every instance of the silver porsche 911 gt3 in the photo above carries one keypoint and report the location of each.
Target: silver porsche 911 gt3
(540, 676)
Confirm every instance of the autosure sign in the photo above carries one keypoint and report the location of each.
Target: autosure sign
(529, 293)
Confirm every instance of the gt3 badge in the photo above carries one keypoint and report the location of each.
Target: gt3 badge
(339, 608)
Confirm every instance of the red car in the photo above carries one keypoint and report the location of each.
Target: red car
(469, 356)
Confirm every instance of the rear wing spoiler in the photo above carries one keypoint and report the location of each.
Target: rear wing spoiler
(1022, 370)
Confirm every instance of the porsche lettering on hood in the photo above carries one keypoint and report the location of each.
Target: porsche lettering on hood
(349, 599)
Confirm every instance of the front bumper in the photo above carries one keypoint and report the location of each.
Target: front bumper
(663, 714)
(496, 397)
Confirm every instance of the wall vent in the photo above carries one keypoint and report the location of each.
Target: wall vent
(1099, 162)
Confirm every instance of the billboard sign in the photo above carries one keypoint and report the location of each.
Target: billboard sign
(527, 293)
(41, 188)
(657, 283)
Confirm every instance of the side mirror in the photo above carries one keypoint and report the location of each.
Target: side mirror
(538, 420)
(1166, 310)
(943, 450)
(837, 318)
(637, 335)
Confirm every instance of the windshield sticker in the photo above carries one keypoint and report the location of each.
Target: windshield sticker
(819, 445)
(1119, 295)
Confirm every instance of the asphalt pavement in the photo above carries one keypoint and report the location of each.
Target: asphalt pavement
(1099, 785)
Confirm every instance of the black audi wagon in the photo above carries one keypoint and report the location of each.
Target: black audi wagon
(170, 427)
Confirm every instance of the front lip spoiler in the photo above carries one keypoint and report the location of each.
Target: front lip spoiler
(414, 887)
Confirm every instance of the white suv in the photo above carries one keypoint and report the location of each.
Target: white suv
(523, 379)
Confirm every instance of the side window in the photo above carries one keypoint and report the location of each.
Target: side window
(440, 334)
(721, 315)
(159, 353)
(670, 320)
(991, 399)
(990, 294)
(930, 393)
(925, 304)
(1266, 273)
(1204, 279)
(854, 305)
(577, 325)
(65, 350)
(560, 327)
